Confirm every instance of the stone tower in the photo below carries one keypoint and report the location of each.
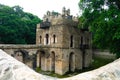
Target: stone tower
(69, 47)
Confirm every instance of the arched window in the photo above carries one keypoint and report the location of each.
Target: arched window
(71, 41)
(40, 39)
(54, 38)
(47, 38)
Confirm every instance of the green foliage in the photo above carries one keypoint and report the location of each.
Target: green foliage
(17, 26)
(103, 19)
(99, 62)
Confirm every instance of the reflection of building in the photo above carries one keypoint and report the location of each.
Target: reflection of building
(69, 47)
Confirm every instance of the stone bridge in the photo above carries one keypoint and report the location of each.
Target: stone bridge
(46, 57)
(25, 53)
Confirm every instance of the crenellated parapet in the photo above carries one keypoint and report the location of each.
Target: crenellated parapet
(54, 18)
(55, 15)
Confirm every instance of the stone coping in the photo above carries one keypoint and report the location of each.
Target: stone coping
(19, 46)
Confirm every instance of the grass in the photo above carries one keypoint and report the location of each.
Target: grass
(50, 73)
(96, 63)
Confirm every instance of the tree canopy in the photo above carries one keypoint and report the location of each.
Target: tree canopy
(17, 26)
(102, 17)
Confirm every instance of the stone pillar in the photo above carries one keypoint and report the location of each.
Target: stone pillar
(43, 63)
(88, 57)
(37, 34)
(38, 60)
(59, 67)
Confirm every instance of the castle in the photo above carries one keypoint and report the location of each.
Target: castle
(69, 48)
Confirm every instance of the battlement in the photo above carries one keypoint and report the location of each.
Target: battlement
(55, 15)
(54, 18)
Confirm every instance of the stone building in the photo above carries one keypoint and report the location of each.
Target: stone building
(69, 48)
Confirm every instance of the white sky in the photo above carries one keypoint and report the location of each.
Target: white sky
(40, 7)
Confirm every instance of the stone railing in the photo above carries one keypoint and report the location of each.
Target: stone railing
(12, 46)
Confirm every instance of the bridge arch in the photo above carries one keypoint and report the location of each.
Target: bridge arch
(21, 55)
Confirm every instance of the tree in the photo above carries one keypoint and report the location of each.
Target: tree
(17, 26)
(102, 17)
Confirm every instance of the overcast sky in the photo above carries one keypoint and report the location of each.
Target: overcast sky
(40, 7)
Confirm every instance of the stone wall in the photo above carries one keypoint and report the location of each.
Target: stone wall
(103, 54)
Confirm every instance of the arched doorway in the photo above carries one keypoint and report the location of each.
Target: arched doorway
(71, 62)
(53, 61)
(40, 58)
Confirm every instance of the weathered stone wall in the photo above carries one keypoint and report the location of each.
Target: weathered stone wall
(54, 30)
(75, 62)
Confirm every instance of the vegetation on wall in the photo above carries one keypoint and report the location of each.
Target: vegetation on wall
(102, 17)
(17, 26)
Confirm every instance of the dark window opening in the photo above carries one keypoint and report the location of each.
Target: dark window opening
(40, 39)
(81, 40)
(71, 41)
(47, 38)
(53, 61)
(54, 38)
